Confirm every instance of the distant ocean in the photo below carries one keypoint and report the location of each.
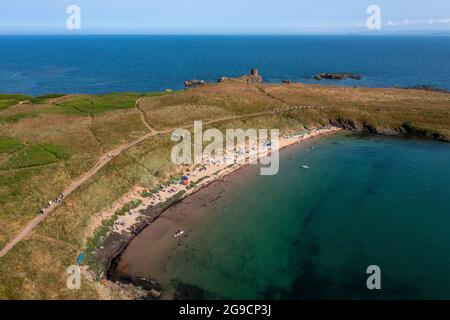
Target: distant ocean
(39, 65)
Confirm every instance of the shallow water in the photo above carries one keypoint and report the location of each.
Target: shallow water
(312, 233)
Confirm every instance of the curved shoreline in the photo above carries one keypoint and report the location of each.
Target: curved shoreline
(116, 243)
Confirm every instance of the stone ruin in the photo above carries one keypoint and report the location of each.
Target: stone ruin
(252, 78)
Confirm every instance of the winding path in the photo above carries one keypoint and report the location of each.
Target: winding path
(142, 114)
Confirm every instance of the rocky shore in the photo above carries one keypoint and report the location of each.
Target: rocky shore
(405, 129)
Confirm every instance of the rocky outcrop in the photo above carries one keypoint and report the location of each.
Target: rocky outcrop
(338, 76)
(406, 129)
(252, 78)
(194, 83)
(347, 124)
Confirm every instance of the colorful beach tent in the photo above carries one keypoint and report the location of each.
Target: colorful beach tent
(80, 258)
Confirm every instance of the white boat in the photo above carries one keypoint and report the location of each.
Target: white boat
(178, 234)
(305, 167)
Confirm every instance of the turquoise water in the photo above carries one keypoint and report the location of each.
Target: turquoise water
(312, 233)
(101, 64)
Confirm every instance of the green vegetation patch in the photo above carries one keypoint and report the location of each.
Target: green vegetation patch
(78, 105)
(166, 204)
(43, 99)
(146, 194)
(133, 204)
(97, 104)
(36, 155)
(8, 145)
(8, 100)
(95, 241)
(114, 101)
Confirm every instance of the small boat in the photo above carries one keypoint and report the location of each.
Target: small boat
(305, 167)
(178, 234)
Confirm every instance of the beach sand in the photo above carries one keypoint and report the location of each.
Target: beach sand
(209, 173)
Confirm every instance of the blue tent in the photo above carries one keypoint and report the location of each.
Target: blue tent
(80, 258)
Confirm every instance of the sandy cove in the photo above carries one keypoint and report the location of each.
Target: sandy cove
(127, 226)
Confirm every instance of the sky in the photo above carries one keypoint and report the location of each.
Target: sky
(222, 16)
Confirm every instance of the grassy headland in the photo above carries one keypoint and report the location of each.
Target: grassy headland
(46, 142)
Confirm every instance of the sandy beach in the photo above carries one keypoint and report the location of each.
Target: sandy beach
(201, 175)
(154, 243)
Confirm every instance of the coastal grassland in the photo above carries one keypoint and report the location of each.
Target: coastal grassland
(45, 98)
(9, 100)
(27, 173)
(95, 104)
(43, 148)
(151, 158)
(37, 270)
(8, 145)
(24, 191)
(206, 103)
(44, 145)
(68, 225)
(428, 113)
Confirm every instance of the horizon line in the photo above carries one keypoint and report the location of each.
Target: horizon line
(349, 33)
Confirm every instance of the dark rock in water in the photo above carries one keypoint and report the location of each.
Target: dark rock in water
(338, 76)
(194, 83)
(287, 81)
(184, 291)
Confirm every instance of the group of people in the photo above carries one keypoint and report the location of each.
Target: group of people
(57, 201)
(117, 224)
(172, 190)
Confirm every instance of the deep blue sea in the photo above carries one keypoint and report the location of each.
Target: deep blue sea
(99, 64)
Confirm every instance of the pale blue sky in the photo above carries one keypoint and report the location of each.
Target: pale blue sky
(221, 16)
